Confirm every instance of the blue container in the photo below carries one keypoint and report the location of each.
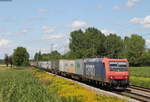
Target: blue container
(94, 69)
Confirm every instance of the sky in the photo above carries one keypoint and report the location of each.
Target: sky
(45, 25)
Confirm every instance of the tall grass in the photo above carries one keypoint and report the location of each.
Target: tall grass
(140, 76)
(21, 86)
(33, 85)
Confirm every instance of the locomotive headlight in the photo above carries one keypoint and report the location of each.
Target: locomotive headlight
(111, 77)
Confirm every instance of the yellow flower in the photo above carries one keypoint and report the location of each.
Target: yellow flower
(70, 90)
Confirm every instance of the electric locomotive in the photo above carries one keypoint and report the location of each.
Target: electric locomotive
(117, 72)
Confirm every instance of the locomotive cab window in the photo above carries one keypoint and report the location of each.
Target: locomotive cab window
(118, 66)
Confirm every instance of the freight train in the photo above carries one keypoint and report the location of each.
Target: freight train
(106, 72)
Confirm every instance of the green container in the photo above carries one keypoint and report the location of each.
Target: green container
(79, 66)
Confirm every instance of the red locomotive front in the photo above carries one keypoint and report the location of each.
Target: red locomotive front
(117, 72)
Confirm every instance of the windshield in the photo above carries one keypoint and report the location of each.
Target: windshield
(118, 66)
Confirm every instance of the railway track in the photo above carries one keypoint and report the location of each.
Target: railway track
(139, 88)
(136, 92)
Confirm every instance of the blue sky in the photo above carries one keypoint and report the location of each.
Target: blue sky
(42, 25)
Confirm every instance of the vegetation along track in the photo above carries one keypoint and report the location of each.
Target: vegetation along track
(97, 89)
(136, 92)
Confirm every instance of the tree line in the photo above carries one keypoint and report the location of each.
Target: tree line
(54, 55)
(91, 43)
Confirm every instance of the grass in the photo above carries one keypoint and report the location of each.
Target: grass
(20, 86)
(140, 71)
(140, 76)
(34, 85)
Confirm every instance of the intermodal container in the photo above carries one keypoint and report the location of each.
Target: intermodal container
(39, 64)
(67, 66)
(94, 69)
(61, 65)
(44, 64)
(49, 65)
(79, 66)
(32, 63)
(55, 65)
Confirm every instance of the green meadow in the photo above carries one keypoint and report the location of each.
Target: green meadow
(140, 76)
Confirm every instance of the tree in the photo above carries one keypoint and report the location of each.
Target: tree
(10, 61)
(88, 43)
(94, 42)
(47, 56)
(76, 41)
(113, 46)
(38, 56)
(6, 59)
(145, 58)
(134, 47)
(55, 55)
(20, 57)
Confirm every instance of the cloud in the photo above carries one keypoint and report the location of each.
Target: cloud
(53, 36)
(23, 31)
(4, 42)
(35, 19)
(99, 6)
(42, 10)
(143, 21)
(146, 20)
(116, 8)
(129, 4)
(147, 26)
(47, 29)
(78, 24)
(136, 20)
(106, 32)
(4, 32)
(6, 47)
(132, 3)
(148, 41)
